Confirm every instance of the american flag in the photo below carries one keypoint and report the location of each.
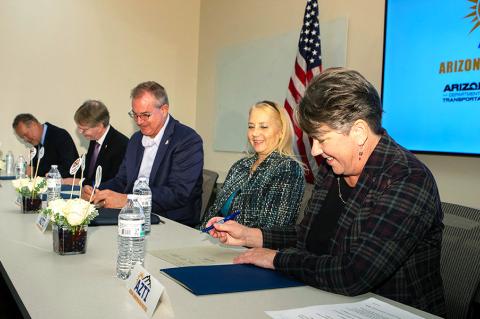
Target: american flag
(308, 63)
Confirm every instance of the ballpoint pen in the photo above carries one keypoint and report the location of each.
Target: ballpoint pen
(221, 221)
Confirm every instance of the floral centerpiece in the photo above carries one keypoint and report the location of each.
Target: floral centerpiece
(30, 190)
(70, 219)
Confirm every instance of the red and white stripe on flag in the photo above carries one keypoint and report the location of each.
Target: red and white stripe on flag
(308, 63)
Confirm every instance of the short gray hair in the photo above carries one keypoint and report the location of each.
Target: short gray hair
(153, 88)
(338, 97)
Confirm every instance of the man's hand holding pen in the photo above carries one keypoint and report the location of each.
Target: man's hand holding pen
(109, 199)
(86, 192)
(104, 198)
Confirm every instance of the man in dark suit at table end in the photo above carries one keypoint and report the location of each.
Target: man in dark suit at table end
(57, 143)
(107, 145)
(167, 152)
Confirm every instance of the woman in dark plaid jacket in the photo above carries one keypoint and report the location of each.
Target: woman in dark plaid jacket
(374, 221)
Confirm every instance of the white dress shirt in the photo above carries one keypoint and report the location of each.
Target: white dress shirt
(101, 139)
(151, 148)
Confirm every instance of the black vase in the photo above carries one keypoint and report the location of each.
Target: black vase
(69, 242)
(31, 205)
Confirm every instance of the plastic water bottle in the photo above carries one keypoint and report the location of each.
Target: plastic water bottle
(9, 164)
(131, 237)
(20, 167)
(54, 183)
(144, 197)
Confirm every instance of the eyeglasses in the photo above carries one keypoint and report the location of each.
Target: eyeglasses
(143, 116)
(83, 129)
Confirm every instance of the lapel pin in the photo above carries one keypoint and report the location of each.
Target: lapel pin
(167, 142)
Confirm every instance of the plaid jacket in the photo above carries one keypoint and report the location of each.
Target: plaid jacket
(388, 239)
(270, 197)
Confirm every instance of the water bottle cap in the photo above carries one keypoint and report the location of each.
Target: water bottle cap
(54, 166)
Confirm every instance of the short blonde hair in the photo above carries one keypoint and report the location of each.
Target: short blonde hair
(284, 144)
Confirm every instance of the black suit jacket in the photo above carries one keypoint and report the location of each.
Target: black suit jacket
(110, 156)
(59, 150)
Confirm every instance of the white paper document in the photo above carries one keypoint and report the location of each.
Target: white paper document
(198, 256)
(370, 308)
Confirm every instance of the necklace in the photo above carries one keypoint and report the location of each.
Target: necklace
(340, 192)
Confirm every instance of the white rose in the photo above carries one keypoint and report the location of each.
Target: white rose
(19, 183)
(76, 218)
(27, 182)
(77, 210)
(57, 206)
(16, 183)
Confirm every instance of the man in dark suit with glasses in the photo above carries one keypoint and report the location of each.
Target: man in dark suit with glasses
(166, 152)
(107, 145)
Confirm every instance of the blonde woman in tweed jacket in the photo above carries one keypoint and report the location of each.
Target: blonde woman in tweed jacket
(268, 186)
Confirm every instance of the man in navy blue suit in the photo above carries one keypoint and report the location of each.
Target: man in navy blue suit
(167, 152)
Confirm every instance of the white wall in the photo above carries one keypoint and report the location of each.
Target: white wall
(57, 53)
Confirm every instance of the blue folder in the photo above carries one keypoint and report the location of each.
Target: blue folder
(109, 216)
(219, 279)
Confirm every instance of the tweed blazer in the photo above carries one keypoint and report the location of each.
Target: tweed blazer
(388, 237)
(267, 198)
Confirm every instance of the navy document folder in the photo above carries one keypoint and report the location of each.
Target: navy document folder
(219, 279)
(109, 216)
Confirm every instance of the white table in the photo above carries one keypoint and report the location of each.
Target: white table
(85, 286)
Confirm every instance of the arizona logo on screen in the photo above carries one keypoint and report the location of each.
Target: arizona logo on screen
(474, 14)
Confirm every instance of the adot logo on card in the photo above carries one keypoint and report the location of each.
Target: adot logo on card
(141, 290)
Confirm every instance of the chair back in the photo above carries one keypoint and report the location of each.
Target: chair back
(209, 181)
(460, 261)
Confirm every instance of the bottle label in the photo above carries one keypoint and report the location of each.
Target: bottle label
(131, 228)
(144, 200)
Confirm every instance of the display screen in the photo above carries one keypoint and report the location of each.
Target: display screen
(431, 75)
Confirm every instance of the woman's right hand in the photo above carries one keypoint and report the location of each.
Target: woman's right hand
(235, 234)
